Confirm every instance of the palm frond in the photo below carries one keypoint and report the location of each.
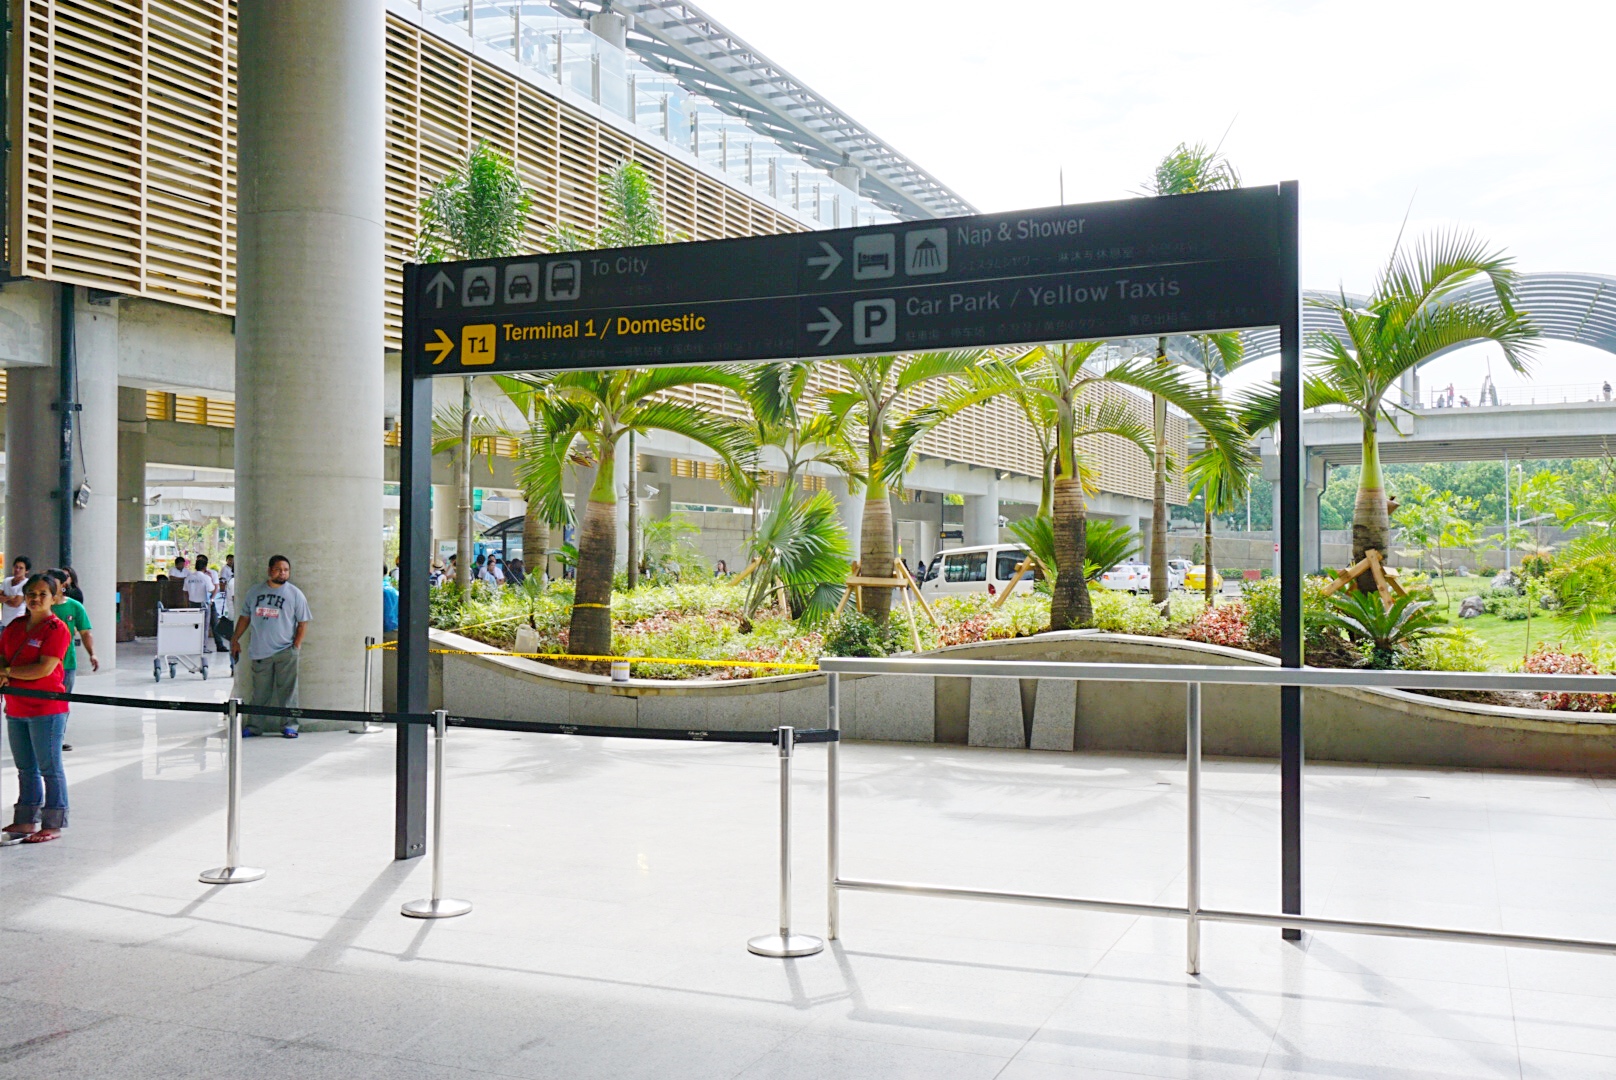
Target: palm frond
(720, 434)
(924, 367)
(802, 546)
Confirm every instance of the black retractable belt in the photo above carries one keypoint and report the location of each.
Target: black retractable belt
(488, 723)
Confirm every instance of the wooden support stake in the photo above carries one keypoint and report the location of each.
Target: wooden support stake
(1373, 558)
(1021, 568)
(751, 566)
(915, 585)
(909, 608)
(1348, 576)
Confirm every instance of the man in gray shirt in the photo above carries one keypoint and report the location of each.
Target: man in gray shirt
(278, 614)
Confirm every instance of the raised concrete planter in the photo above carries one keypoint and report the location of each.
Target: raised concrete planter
(1378, 726)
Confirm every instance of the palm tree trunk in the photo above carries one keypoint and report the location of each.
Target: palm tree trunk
(535, 542)
(463, 554)
(1206, 512)
(1206, 564)
(1046, 490)
(1371, 523)
(1158, 509)
(633, 515)
(591, 626)
(1070, 607)
(876, 548)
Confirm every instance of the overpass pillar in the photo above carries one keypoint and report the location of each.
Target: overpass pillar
(309, 348)
(131, 483)
(982, 513)
(850, 506)
(1312, 539)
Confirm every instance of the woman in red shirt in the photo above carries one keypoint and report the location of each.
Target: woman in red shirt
(31, 653)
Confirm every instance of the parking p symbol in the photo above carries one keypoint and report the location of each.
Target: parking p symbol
(875, 322)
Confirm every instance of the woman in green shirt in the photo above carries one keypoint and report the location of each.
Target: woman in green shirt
(71, 612)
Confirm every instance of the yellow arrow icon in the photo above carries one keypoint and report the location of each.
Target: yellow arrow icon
(443, 347)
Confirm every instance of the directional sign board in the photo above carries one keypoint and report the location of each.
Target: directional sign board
(1121, 269)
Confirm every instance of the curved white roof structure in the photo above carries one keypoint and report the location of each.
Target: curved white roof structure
(1565, 307)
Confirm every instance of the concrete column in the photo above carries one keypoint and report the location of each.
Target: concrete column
(95, 526)
(851, 508)
(1313, 542)
(309, 350)
(32, 440)
(982, 513)
(131, 483)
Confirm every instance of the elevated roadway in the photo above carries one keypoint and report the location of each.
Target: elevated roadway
(1559, 430)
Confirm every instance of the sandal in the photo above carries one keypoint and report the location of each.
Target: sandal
(20, 830)
(43, 836)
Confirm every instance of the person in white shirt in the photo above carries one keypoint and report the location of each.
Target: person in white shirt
(223, 603)
(200, 585)
(11, 601)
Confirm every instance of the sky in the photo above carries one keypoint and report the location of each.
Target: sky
(1486, 116)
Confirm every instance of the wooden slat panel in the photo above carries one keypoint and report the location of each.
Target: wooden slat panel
(125, 173)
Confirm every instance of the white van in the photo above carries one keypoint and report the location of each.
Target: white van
(986, 568)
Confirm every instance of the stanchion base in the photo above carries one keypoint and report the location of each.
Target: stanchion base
(785, 945)
(230, 875)
(435, 909)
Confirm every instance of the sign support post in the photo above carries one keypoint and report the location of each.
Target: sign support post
(1292, 478)
(415, 554)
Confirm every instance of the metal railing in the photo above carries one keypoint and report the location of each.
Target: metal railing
(785, 943)
(1193, 677)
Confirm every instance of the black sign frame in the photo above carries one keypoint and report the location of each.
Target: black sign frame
(1234, 257)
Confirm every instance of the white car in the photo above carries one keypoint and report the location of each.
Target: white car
(1134, 577)
(1127, 577)
(985, 568)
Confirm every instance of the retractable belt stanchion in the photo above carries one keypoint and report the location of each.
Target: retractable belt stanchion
(437, 907)
(785, 943)
(368, 728)
(232, 872)
(833, 817)
(1192, 876)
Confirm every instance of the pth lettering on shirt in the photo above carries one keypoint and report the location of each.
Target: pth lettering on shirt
(268, 599)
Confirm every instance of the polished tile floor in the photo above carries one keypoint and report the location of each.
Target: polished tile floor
(616, 883)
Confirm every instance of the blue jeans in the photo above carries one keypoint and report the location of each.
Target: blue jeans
(36, 744)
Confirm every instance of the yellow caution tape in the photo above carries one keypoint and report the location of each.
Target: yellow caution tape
(780, 665)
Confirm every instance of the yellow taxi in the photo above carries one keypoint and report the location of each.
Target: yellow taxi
(1195, 579)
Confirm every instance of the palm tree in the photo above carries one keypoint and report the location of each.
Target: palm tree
(775, 393)
(628, 217)
(478, 211)
(881, 388)
(801, 548)
(1186, 171)
(1411, 315)
(1060, 377)
(1222, 481)
(596, 409)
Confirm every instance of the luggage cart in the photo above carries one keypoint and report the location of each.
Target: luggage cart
(180, 641)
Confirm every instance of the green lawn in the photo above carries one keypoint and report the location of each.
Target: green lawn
(1508, 639)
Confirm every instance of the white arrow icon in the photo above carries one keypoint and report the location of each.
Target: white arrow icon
(830, 325)
(830, 261)
(438, 284)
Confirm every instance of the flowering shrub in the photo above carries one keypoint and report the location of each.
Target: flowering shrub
(1183, 608)
(1550, 660)
(1124, 613)
(1457, 650)
(1223, 624)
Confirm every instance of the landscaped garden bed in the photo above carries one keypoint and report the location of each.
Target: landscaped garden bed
(704, 621)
